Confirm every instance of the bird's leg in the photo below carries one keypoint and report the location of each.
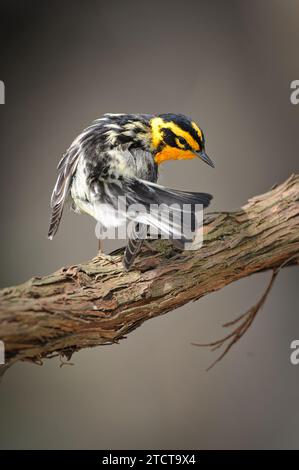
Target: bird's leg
(99, 235)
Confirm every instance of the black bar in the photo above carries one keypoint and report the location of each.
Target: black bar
(150, 458)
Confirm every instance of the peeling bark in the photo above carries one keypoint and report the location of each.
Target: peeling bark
(97, 303)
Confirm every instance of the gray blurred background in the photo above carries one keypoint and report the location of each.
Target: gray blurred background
(228, 65)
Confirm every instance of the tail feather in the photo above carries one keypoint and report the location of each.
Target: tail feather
(66, 169)
(55, 220)
(134, 245)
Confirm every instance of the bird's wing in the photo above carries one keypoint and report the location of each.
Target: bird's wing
(150, 195)
(66, 169)
(147, 192)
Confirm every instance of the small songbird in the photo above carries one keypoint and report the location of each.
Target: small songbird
(119, 155)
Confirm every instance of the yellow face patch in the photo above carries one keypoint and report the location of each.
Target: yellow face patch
(157, 124)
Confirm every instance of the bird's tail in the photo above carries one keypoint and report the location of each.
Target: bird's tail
(56, 215)
(137, 236)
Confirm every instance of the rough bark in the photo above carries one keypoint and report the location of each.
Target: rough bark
(97, 303)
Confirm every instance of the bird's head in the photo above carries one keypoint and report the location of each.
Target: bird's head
(176, 137)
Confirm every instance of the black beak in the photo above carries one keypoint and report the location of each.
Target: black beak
(205, 158)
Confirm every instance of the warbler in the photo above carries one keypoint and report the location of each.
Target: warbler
(119, 155)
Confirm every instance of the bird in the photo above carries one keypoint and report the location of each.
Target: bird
(120, 155)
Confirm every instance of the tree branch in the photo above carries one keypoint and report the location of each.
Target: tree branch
(97, 303)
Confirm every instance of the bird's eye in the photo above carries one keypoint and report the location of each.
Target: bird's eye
(181, 142)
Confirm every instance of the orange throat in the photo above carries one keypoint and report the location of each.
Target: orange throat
(173, 153)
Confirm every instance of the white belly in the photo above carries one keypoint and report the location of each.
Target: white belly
(87, 202)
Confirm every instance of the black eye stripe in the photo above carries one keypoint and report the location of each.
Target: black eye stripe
(185, 124)
(171, 139)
